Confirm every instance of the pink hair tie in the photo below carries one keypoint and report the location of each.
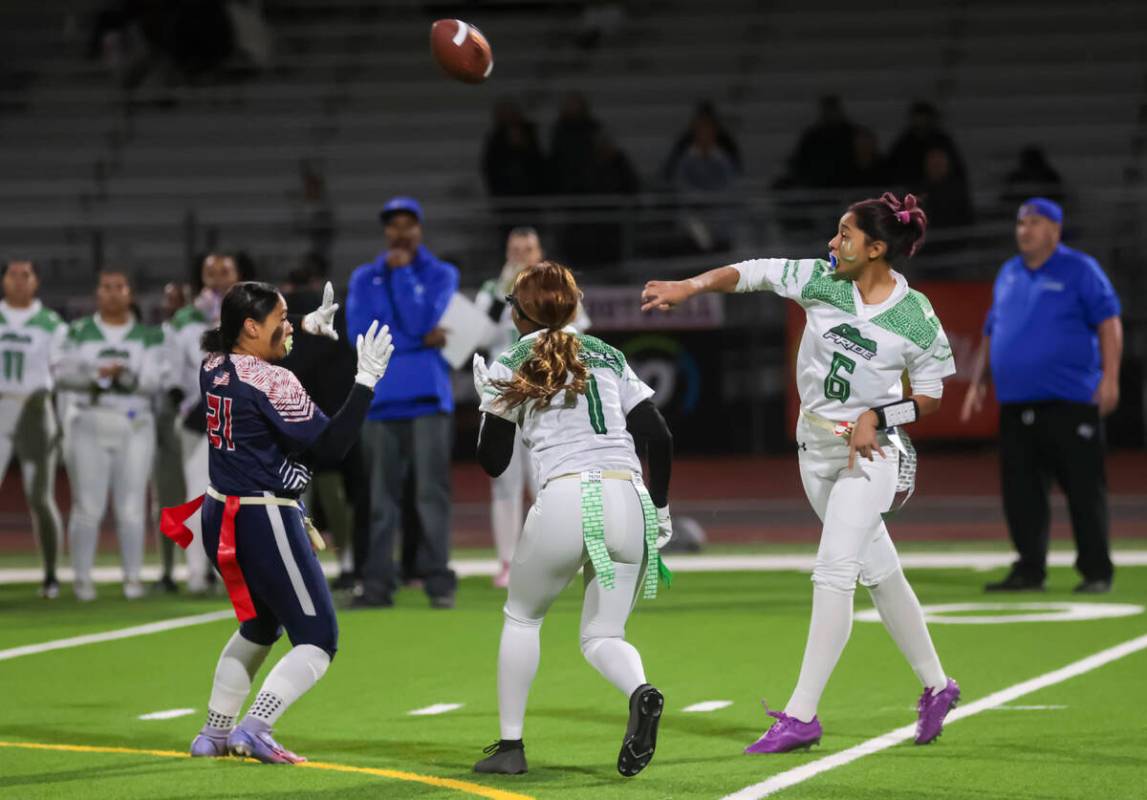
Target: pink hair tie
(904, 217)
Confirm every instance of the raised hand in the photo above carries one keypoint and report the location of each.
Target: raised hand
(374, 351)
(663, 295)
(321, 321)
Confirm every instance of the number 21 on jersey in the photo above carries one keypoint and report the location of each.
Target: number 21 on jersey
(219, 421)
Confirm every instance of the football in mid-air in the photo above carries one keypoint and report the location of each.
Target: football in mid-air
(461, 50)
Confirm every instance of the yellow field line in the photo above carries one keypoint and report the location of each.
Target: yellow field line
(466, 787)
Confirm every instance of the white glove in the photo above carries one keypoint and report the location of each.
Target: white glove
(664, 527)
(321, 321)
(374, 349)
(481, 376)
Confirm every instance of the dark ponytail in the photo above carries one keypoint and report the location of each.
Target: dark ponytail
(243, 301)
(899, 224)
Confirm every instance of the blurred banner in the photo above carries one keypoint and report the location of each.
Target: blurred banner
(961, 307)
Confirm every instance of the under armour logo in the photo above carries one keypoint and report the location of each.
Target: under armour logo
(1086, 431)
(802, 446)
(1028, 417)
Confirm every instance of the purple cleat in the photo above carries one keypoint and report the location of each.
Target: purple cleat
(207, 745)
(932, 709)
(260, 746)
(787, 733)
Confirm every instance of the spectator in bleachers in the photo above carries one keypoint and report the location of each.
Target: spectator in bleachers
(409, 430)
(573, 143)
(1033, 176)
(823, 155)
(944, 194)
(867, 168)
(705, 173)
(906, 158)
(610, 172)
(512, 161)
(315, 216)
(705, 116)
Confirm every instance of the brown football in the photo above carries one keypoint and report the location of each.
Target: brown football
(461, 50)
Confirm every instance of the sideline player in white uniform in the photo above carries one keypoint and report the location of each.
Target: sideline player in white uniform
(30, 340)
(523, 249)
(110, 367)
(864, 328)
(218, 273)
(576, 401)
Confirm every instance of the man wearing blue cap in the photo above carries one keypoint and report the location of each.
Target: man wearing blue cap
(1055, 341)
(409, 429)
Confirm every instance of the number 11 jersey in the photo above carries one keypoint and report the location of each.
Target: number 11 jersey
(853, 356)
(580, 432)
(259, 420)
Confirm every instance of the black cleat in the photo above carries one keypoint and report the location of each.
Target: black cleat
(1098, 586)
(1016, 582)
(507, 757)
(645, 706)
(165, 585)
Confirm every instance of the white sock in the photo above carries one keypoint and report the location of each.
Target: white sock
(901, 614)
(238, 664)
(828, 632)
(292, 677)
(518, 656)
(617, 660)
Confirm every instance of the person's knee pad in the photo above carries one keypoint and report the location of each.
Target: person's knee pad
(838, 575)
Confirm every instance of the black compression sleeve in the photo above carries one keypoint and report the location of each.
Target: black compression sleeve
(495, 444)
(648, 427)
(342, 431)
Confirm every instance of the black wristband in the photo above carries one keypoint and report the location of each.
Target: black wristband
(892, 415)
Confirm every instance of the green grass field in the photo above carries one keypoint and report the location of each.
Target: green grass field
(733, 636)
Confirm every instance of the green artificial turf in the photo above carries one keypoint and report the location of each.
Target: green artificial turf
(731, 636)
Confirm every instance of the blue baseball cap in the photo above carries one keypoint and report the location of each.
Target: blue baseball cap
(1043, 207)
(400, 205)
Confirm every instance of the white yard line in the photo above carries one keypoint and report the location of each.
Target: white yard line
(111, 636)
(784, 780)
(679, 562)
(171, 713)
(706, 706)
(437, 708)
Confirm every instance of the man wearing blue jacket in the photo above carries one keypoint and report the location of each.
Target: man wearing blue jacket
(409, 430)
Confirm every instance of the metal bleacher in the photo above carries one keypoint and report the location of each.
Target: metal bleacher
(90, 173)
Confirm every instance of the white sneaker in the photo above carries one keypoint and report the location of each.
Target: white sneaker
(133, 590)
(85, 591)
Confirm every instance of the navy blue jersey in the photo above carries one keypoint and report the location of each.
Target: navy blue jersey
(259, 419)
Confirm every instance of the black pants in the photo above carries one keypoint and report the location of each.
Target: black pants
(1041, 442)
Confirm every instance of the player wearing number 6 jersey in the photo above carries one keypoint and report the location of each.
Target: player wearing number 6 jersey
(265, 434)
(863, 329)
(576, 402)
(30, 340)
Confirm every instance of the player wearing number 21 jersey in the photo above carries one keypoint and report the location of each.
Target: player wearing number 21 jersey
(261, 428)
(864, 328)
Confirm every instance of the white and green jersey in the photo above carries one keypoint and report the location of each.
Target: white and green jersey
(579, 432)
(91, 344)
(187, 326)
(30, 341)
(852, 356)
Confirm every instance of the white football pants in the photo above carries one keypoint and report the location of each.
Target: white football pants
(549, 554)
(107, 450)
(195, 479)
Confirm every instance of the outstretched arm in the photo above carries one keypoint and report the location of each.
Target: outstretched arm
(664, 295)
